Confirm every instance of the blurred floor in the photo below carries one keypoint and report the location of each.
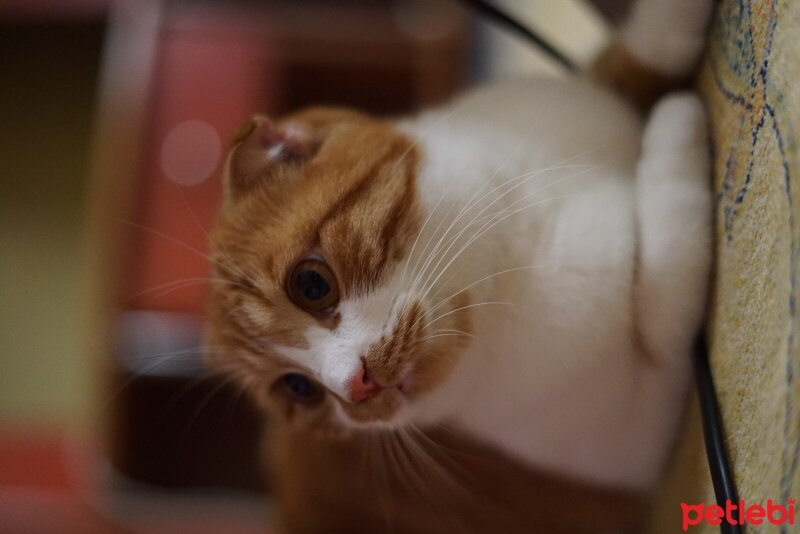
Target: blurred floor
(51, 483)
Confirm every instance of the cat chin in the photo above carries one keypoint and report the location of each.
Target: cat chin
(374, 426)
(359, 418)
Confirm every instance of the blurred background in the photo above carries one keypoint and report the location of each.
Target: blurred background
(114, 118)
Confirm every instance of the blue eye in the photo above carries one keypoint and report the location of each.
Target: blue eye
(300, 387)
(312, 286)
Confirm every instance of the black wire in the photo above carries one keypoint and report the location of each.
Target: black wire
(713, 432)
(487, 9)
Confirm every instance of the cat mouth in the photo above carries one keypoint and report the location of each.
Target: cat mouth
(403, 385)
(406, 383)
(383, 406)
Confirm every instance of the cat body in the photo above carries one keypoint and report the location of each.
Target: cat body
(526, 265)
(558, 360)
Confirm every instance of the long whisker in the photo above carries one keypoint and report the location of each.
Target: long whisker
(439, 122)
(488, 226)
(363, 467)
(523, 177)
(224, 382)
(176, 397)
(474, 201)
(224, 251)
(442, 332)
(464, 210)
(483, 230)
(186, 282)
(383, 501)
(478, 304)
(470, 488)
(447, 453)
(419, 234)
(455, 487)
(168, 238)
(414, 469)
(434, 336)
(475, 283)
(400, 464)
(470, 203)
(192, 351)
(417, 431)
(453, 331)
(180, 243)
(466, 207)
(163, 359)
(427, 256)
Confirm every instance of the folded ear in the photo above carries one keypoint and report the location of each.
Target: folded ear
(260, 148)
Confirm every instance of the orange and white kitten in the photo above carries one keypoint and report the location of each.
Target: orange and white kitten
(527, 264)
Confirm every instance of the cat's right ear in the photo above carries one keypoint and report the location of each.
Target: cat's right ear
(260, 148)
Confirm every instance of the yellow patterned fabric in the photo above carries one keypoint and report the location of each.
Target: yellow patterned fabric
(751, 85)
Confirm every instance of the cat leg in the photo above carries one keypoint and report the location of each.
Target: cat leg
(674, 211)
(656, 51)
(667, 35)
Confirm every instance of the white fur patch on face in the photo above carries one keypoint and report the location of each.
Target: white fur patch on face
(335, 356)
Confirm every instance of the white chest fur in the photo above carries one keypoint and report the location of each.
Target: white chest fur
(553, 376)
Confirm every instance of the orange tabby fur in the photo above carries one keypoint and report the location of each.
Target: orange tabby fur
(372, 484)
(362, 178)
(638, 82)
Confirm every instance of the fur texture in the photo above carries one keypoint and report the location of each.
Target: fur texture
(527, 264)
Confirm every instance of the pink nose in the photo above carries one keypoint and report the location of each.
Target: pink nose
(362, 387)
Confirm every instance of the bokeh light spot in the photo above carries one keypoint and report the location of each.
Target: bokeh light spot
(191, 152)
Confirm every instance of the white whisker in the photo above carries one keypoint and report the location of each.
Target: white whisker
(486, 228)
(475, 283)
(451, 312)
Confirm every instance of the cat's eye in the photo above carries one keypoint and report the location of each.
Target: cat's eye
(312, 286)
(300, 388)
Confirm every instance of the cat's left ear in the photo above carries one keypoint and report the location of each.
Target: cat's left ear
(260, 148)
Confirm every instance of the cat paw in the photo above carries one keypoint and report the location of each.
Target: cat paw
(674, 210)
(677, 124)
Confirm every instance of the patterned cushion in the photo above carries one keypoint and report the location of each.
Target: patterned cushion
(751, 84)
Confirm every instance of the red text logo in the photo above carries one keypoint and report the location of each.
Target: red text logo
(738, 514)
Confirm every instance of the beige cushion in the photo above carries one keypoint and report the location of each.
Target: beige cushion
(751, 84)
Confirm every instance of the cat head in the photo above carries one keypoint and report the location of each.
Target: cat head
(316, 308)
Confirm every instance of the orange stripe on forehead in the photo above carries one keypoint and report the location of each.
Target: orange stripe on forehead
(359, 187)
(386, 146)
(399, 222)
(372, 219)
(353, 201)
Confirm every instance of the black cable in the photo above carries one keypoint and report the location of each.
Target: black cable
(721, 475)
(713, 432)
(492, 12)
